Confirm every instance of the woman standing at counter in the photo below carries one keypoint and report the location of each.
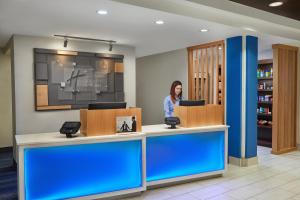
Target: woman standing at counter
(173, 99)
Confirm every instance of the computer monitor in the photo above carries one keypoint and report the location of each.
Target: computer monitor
(107, 105)
(192, 102)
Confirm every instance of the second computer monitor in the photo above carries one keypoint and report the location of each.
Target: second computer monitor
(192, 102)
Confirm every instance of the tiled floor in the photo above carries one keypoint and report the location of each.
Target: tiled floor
(274, 178)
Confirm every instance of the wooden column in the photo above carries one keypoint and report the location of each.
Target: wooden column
(284, 98)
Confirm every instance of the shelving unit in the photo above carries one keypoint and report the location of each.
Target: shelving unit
(265, 102)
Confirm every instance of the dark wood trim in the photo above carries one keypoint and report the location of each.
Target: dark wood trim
(207, 45)
(266, 61)
(284, 151)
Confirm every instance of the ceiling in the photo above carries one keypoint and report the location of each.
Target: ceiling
(127, 24)
(290, 8)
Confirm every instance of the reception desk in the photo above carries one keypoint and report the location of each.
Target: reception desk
(51, 166)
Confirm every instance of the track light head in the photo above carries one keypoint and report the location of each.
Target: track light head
(66, 42)
(110, 46)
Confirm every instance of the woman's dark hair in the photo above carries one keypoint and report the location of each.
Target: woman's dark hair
(172, 91)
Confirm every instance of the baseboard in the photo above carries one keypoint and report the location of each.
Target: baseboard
(6, 149)
(150, 187)
(243, 162)
(284, 151)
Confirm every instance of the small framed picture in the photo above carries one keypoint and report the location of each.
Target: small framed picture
(126, 124)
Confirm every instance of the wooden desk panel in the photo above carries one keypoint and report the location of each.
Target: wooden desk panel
(103, 122)
(193, 116)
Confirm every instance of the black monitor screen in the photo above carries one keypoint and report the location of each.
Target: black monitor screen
(192, 103)
(107, 105)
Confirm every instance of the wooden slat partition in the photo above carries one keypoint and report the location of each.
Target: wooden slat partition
(284, 98)
(204, 63)
(206, 73)
(217, 76)
(197, 74)
(191, 73)
(202, 74)
(223, 75)
(211, 89)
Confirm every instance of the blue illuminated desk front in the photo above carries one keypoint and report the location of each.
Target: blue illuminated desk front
(53, 167)
(181, 154)
(82, 167)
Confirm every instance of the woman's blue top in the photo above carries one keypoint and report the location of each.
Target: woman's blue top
(169, 106)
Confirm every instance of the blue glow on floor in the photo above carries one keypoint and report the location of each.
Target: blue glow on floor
(173, 156)
(78, 170)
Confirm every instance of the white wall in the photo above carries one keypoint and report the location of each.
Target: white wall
(6, 136)
(154, 76)
(266, 54)
(27, 120)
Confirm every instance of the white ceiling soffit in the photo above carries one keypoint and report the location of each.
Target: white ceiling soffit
(127, 24)
(226, 12)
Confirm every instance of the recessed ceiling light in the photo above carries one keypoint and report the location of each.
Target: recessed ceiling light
(250, 29)
(276, 3)
(204, 30)
(102, 12)
(159, 22)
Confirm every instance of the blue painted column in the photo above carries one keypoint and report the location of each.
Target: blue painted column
(241, 99)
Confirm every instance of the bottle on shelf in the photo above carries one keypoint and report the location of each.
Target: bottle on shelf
(262, 73)
(271, 71)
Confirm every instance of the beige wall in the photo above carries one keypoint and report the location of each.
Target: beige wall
(6, 136)
(154, 76)
(27, 120)
(298, 100)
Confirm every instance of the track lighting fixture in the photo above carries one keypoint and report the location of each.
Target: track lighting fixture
(110, 46)
(66, 37)
(66, 42)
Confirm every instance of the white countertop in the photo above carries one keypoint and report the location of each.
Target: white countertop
(57, 138)
(162, 128)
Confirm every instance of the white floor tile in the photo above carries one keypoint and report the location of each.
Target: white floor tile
(209, 192)
(222, 197)
(183, 197)
(275, 194)
(293, 186)
(245, 192)
(275, 177)
(296, 197)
